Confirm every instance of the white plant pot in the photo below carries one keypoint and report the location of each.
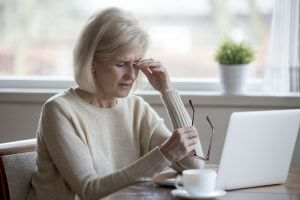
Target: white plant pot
(234, 78)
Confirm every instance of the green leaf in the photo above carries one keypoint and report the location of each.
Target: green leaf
(230, 52)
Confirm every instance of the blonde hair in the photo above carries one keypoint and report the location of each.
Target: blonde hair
(108, 33)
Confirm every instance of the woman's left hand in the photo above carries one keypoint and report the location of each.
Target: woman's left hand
(156, 74)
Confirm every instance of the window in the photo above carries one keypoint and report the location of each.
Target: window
(37, 37)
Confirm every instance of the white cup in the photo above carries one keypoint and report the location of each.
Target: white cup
(197, 181)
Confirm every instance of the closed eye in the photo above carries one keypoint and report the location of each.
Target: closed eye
(122, 64)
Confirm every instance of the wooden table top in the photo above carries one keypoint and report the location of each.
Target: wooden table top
(148, 190)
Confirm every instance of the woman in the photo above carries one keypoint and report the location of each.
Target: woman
(95, 139)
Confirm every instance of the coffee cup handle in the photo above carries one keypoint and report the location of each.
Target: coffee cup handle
(177, 183)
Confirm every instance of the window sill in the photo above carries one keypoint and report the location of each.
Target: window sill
(205, 98)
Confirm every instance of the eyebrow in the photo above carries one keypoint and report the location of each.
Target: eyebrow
(126, 61)
(123, 61)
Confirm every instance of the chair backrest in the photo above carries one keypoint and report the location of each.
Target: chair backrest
(17, 163)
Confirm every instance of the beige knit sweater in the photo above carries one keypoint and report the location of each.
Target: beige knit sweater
(90, 152)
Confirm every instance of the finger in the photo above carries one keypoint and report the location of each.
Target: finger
(184, 132)
(135, 62)
(145, 64)
(191, 135)
(142, 61)
(148, 66)
(188, 130)
(149, 63)
(155, 69)
(145, 70)
(190, 149)
(192, 141)
(179, 131)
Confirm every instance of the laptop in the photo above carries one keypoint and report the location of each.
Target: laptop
(257, 151)
(258, 148)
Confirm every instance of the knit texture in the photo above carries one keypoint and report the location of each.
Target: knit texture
(91, 152)
(18, 170)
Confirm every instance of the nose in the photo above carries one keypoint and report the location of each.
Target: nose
(131, 71)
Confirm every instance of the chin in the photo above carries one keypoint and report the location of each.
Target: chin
(123, 94)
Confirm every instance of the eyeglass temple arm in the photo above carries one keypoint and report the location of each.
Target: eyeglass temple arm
(190, 101)
(211, 138)
(206, 158)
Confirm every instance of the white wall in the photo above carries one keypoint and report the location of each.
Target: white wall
(19, 115)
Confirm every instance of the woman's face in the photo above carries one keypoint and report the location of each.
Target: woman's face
(114, 78)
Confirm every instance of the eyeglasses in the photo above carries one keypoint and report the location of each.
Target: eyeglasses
(193, 153)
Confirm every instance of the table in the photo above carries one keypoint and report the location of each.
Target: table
(147, 190)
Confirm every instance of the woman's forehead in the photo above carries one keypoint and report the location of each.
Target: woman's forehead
(131, 55)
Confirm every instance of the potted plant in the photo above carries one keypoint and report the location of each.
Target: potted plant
(234, 60)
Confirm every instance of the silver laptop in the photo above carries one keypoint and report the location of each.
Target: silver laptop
(258, 148)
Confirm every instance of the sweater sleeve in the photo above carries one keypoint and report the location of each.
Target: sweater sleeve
(179, 118)
(72, 158)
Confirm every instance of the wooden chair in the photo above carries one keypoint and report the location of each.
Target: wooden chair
(17, 163)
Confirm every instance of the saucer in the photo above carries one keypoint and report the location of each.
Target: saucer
(186, 195)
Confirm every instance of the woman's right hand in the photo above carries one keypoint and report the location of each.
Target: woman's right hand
(180, 144)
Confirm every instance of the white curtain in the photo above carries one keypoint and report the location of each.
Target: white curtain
(282, 74)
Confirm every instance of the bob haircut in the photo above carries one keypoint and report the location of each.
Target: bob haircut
(108, 34)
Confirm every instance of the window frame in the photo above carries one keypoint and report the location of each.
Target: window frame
(182, 84)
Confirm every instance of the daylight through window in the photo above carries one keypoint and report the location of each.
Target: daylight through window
(37, 37)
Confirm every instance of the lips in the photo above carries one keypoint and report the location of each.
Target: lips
(125, 84)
